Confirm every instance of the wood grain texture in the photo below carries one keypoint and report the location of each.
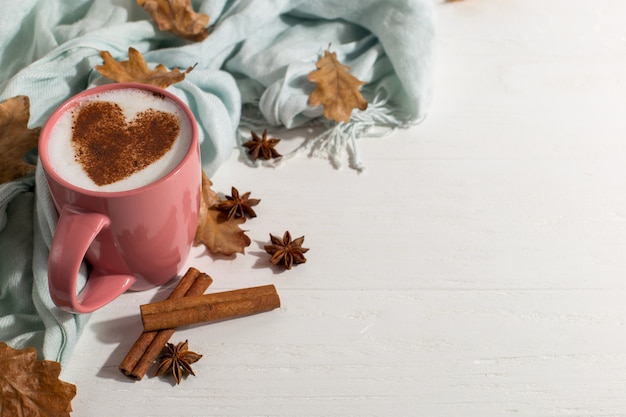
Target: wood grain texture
(476, 268)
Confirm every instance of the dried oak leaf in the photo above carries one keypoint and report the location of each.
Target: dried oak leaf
(136, 70)
(31, 387)
(218, 234)
(178, 17)
(337, 90)
(16, 139)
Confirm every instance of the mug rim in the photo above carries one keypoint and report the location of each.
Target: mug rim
(44, 137)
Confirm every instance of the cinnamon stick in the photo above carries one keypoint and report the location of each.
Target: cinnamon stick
(150, 343)
(209, 307)
(170, 305)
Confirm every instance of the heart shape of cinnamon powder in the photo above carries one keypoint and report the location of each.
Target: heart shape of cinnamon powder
(110, 149)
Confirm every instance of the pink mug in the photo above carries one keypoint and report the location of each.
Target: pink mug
(132, 240)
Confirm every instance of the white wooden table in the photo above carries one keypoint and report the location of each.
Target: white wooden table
(476, 268)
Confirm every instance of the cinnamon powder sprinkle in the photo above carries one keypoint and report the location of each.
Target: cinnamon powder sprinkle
(110, 149)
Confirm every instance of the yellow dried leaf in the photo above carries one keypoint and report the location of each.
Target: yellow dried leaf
(31, 387)
(215, 231)
(136, 70)
(16, 139)
(337, 90)
(178, 17)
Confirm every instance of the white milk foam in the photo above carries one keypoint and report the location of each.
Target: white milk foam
(132, 101)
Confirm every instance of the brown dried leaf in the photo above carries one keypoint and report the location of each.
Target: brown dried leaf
(31, 387)
(178, 17)
(16, 139)
(218, 234)
(136, 70)
(337, 90)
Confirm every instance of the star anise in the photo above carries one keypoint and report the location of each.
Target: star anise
(262, 147)
(178, 359)
(286, 252)
(237, 206)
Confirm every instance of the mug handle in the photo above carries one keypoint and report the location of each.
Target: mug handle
(74, 233)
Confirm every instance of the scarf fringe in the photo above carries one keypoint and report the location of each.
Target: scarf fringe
(336, 140)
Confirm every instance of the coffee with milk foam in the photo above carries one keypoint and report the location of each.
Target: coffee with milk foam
(119, 140)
